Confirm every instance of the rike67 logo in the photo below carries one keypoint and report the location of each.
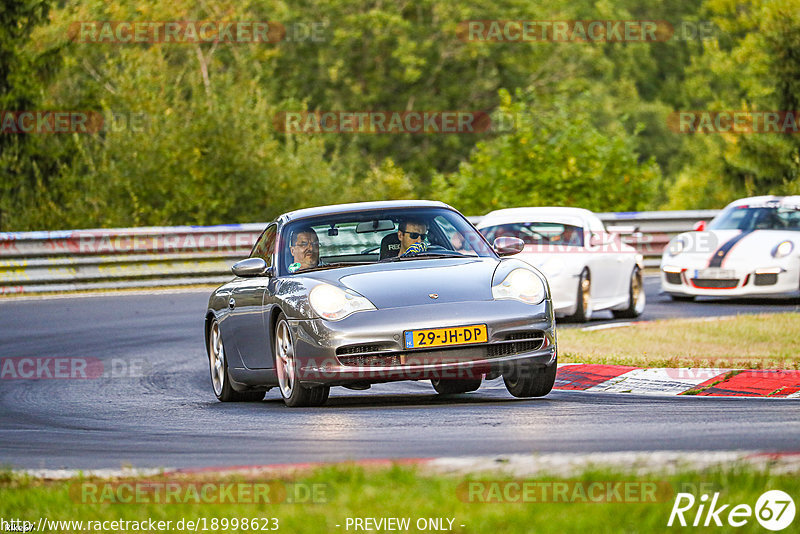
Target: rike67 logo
(774, 510)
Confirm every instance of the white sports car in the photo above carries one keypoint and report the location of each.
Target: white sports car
(587, 268)
(751, 248)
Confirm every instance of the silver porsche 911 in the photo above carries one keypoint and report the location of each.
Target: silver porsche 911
(358, 294)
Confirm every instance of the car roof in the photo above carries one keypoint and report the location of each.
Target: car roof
(789, 200)
(538, 214)
(360, 206)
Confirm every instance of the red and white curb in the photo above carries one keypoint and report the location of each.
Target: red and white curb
(661, 381)
(517, 465)
(636, 462)
(623, 324)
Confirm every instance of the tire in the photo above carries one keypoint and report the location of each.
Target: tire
(218, 364)
(682, 298)
(455, 386)
(527, 380)
(293, 392)
(583, 310)
(636, 297)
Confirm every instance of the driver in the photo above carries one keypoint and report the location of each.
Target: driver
(304, 247)
(410, 232)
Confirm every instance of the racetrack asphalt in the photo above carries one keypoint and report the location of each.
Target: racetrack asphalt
(159, 411)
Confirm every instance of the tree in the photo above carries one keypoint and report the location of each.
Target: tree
(24, 162)
(754, 65)
(553, 156)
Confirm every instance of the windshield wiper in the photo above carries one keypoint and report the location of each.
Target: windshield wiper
(423, 255)
(333, 266)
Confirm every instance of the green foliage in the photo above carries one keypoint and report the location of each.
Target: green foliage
(753, 66)
(352, 491)
(385, 182)
(554, 156)
(25, 162)
(203, 148)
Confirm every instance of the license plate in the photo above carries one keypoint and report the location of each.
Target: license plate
(714, 274)
(442, 337)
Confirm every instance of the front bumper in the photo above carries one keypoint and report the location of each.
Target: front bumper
(768, 280)
(380, 332)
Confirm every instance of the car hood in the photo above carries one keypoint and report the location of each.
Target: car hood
(749, 247)
(411, 283)
(758, 245)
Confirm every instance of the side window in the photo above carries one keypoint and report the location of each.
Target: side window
(265, 246)
(790, 219)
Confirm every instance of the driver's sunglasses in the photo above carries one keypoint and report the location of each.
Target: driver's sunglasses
(415, 235)
(305, 244)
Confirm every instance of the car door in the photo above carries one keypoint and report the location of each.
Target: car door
(602, 260)
(247, 323)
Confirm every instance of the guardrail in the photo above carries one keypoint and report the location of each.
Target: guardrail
(150, 257)
(653, 229)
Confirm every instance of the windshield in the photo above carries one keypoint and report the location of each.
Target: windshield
(375, 236)
(748, 218)
(535, 233)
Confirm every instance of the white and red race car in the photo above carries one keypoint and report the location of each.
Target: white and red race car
(750, 249)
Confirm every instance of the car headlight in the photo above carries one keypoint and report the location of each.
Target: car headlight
(676, 247)
(333, 303)
(783, 249)
(520, 284)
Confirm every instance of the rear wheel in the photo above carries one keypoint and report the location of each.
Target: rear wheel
(293, 392)
(526, 380)
(444, 386)
(636, 297)
(583, 311)
(220, 380)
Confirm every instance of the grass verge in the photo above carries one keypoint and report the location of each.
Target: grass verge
(764, 341)
(403, 492)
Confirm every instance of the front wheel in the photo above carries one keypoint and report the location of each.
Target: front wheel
(636, 297)
(444, 386)
(526, 380)
(220, 380)
(293, 392)
(583, 311)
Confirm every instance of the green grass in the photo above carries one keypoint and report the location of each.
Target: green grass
(766, 341)
(352, 491)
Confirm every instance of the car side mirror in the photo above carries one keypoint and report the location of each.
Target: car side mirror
(699, 226)
(596, 240)
(508, 246)
(251, 267)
